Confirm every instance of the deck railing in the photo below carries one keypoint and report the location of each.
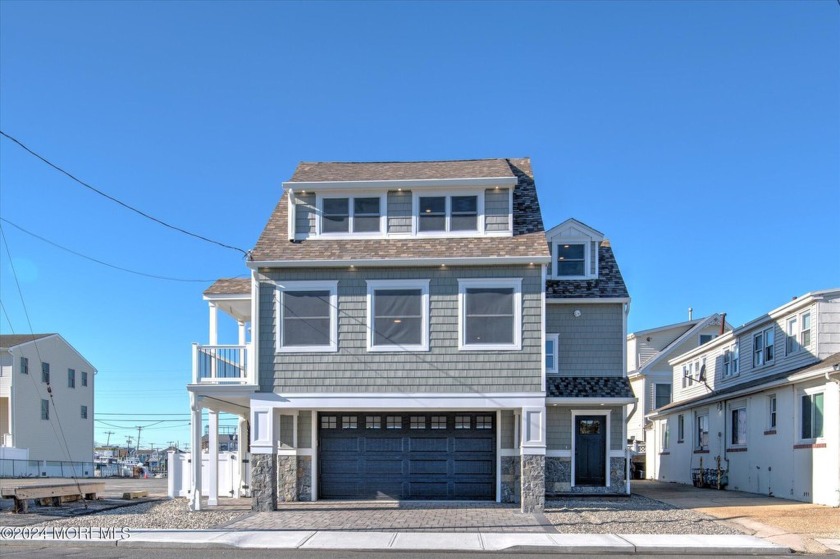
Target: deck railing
(222, 364)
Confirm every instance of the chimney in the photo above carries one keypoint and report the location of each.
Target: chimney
(690, 312)
(722, 323)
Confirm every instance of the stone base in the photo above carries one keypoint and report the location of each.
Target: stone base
(511, 479)
(304, 478)
(533, 483)
(558, 479)
(263, 483)
(558, 475)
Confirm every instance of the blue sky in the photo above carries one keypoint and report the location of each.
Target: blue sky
(703, 138)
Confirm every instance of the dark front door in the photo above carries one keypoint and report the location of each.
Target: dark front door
(407, 456)
(590, 450)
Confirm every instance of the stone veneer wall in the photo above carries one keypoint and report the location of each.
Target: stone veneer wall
(617, 481)
(533, 483)
(287, 470)
(558, 475)
(304, 478)
(511, 474)
(263, 482)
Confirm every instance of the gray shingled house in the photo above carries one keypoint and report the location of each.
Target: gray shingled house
(415, 333)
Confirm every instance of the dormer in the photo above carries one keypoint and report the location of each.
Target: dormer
(574, 251)
(401, 200)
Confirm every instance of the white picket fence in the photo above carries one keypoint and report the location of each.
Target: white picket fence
(180, 474)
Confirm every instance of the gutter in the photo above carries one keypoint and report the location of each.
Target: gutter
(401, 262)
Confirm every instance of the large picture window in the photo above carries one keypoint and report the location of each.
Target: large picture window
(490, 314)
(307, 316)
(398, 315)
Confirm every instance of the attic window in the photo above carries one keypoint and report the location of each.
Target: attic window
(356, 215)
(571, 259)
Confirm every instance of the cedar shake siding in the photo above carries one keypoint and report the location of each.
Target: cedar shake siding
(444, 368)
(591, 344)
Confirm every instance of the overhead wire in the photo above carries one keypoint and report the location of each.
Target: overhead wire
(103, 263)
(120, 202)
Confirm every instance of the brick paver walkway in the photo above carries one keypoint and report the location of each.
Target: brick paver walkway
(413, 516)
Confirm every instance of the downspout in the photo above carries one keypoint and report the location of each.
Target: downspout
(828, 378)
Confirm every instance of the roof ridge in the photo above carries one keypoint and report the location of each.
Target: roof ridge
(413, 161)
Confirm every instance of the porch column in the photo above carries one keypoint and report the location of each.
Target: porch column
(241, 332)
(195, 444)
(213, 459)
(214, 324)
(533, 459)
(242, 448)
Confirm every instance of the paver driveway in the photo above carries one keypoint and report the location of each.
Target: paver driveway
(412, 516)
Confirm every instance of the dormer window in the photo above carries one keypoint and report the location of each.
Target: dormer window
(571, 260)
(447, 213)
(360, 214)
(574, 250)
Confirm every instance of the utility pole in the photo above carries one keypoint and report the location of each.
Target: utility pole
(139, 428)
(108, 443)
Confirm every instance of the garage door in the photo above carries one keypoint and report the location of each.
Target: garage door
(407, 456)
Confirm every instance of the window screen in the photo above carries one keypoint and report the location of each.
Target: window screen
(397, 317)
(306, 318)
(489, 315)
(336, 215)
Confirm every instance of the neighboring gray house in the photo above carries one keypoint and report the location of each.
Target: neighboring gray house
(416, 334)
(762, 401)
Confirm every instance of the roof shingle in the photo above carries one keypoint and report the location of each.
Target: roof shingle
(401, 170)
(12, 340)
(230, 286)
(609, 283)
(588, 387)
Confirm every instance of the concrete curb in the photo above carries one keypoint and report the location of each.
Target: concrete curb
(426, 541)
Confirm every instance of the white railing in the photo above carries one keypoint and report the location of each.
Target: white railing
(222, 364)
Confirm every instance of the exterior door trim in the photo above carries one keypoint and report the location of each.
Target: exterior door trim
(607, 416)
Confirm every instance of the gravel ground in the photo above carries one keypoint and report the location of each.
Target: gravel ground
(634, 515)
(156, 515)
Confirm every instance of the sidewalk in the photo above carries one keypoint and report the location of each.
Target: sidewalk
(418, 541)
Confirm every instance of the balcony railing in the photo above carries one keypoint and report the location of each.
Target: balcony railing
(222, 364)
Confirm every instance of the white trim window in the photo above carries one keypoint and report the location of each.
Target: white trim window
(490, 314)
(771, 412)
(730, 361)
(572, 259)
(307, 315)
(441, 214)
(738, 427)
(702, 423)
(763, 347)
(398, 315)
(812, 409)
(791, 336)
(552, 343)
(661, 394)
(666, 435)
(805, 330)
(343, 215)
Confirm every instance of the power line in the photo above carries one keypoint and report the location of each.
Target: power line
(114, 266)
(121, 203)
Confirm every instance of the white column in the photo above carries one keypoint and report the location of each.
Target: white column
(214, 324)
(195, 444)
(213, 459)
(242, 442)
(241, 332)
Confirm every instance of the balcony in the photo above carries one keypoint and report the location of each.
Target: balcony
(223, 365)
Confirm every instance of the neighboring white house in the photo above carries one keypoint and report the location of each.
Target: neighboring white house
(763, 401)
(35, 425)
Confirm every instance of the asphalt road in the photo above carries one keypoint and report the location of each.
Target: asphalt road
(20, 551)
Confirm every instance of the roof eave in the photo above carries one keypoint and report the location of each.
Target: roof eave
(401, 183)
(400, 262)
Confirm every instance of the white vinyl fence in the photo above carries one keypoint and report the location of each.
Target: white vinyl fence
(180, 475)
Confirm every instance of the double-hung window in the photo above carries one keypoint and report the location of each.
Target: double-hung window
(680, 428)
(771, 412)
(490, 314)
(398, 315)
(440, 214)
(730, 361)
(791, 335)
(570, 260)
(307, 316)
(662, 393)
(71, 378)
(24, 365)
(805, 330)
(45, 409)
(763, 347)
(45, 373)
(666, 435)
(552, 342)
(812, 409)
(360, 214)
